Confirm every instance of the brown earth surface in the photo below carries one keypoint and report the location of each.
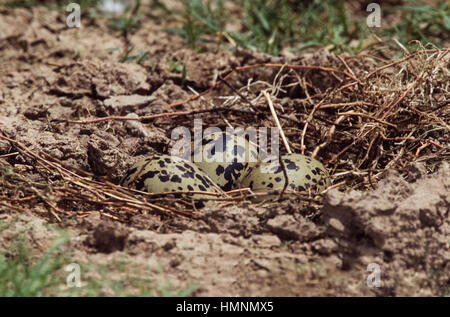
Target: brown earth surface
(52, 74)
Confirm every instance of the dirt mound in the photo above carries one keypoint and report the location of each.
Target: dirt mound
(404, 227)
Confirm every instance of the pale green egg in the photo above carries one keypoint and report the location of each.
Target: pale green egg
(164, 173)
(225, 157)
(303, 173)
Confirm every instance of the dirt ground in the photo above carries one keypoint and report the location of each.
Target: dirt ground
(397, 223)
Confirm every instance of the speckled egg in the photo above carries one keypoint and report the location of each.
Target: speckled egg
(164, 173)
(304, 174)
(226, 158)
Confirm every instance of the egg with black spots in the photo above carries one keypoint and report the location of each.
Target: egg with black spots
(225, 157)
(304, 174)
(164, 173)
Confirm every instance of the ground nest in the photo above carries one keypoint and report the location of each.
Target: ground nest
(358, 117)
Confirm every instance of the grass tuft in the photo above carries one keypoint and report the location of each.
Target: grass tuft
(271, 26)
(20, 276)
